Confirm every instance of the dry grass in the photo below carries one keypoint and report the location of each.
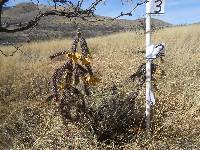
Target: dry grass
(28, 122)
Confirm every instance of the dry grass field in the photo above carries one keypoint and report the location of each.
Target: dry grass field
(27, 121)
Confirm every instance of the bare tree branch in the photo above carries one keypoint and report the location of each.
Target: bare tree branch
(17, 48)
(130, 13)
(63, 2)
(2, 2)
(33, 22)
(75, 13)
(80, 3)
(92, 7)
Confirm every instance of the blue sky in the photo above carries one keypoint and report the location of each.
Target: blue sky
(176, 11)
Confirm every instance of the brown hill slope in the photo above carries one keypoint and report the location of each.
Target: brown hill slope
(57, 27)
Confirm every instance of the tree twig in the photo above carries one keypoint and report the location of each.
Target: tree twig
(130, 13)
(17, 48)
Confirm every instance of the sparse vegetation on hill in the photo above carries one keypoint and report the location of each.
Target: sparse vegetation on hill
(27, 121)
(51, 27)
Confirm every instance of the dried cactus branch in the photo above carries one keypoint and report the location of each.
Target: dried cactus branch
(75, 70)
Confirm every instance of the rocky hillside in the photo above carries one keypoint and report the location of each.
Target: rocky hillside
(57, 27)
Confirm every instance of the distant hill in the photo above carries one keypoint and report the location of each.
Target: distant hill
(6, 8)
(58, 27)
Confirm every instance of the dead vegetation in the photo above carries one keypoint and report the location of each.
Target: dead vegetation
(29, 122)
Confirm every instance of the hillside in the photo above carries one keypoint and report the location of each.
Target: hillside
(57, 27)
(27, 121)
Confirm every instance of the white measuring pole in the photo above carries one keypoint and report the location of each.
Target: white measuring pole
(148, 65)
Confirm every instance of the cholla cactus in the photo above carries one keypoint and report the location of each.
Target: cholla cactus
(76, 70)
(140, 75)
(56, 78)
(79, 38)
